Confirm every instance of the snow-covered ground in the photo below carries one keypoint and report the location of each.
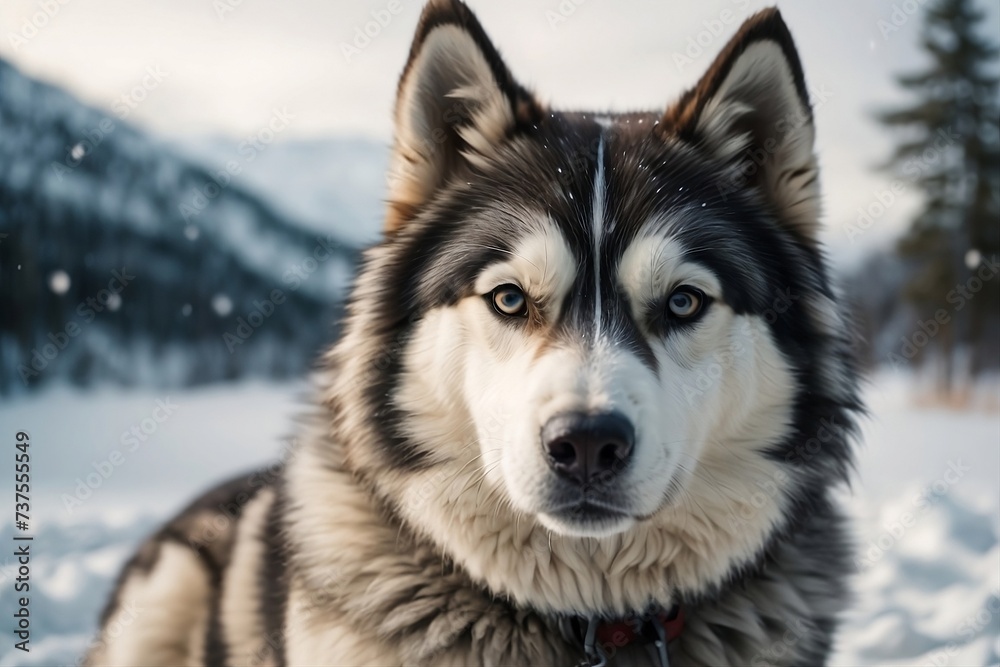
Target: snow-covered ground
(89, 513)
(927, 503)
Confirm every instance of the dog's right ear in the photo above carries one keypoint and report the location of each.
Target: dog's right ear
(456, 102)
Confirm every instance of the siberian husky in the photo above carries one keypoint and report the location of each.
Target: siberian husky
(592, 400)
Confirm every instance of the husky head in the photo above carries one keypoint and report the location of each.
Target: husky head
(596, 347)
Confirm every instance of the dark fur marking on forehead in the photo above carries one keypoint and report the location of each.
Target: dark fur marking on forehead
(618, 328)
(550, 168)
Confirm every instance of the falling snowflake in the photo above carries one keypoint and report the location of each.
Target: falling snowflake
(192, 233)
(59, 282)
(222, 305)
(973, 258)
(186, 309)
(114, 302)
(77, 152)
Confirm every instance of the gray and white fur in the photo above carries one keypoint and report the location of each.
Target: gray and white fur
(596, 367)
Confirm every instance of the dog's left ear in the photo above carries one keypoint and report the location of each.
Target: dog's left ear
(752, 110)
(456, 102)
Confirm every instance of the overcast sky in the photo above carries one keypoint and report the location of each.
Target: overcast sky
(226, 65)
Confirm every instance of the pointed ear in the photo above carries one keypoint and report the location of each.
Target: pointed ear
(752, 110)
(456, 102)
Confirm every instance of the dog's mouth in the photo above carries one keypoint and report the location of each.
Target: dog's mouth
(588, 517)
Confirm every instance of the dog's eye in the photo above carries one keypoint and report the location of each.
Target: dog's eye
(510, 301)
(685, 302)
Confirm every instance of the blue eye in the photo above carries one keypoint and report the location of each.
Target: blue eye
(685, 302)
(510, 301)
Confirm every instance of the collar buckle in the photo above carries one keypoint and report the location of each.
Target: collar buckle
(658, 628)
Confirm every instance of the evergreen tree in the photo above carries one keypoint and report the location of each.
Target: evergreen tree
(951, 151)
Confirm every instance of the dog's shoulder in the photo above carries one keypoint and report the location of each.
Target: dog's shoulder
(197, 574)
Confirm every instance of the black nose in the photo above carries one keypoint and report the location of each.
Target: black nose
(583, 446)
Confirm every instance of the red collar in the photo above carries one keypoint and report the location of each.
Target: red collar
(605, 638)
(624, 632)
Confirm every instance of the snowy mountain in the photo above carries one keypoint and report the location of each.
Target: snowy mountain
(122, 258)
